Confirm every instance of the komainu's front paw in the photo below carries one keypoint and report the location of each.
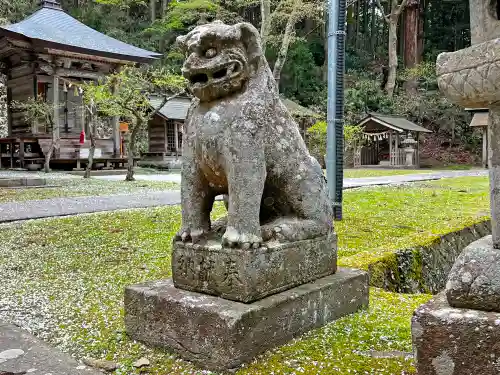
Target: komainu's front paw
(190, 235)
(234, 238)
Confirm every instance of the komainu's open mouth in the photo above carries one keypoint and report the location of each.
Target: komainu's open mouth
(230, 70)
(199, 78)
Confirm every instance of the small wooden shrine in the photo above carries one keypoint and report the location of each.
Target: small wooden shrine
(50, 54)
(480, 121)
(390, 141)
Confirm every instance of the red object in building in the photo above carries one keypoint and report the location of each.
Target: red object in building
(82, 137)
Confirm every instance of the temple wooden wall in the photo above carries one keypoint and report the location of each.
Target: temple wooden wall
(157, 136)
(21, 85)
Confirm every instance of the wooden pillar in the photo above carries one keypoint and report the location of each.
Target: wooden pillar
(21, 152)
(485, 147)
(165, 136)
(391, 162)
(82, 115)
(417, 150)
(55, 103)
(396, 151)
(115, 125)
(176, 134)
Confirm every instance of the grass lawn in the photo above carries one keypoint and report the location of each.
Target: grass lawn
(63, 279)
(76, 187)
(379, 220)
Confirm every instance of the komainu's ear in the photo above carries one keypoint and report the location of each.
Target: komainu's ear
(251, 40)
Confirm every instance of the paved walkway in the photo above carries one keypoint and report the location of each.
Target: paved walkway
(22, 353)
(348, 182)
(37, 209)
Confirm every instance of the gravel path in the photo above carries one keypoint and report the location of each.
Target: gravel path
(37, 209)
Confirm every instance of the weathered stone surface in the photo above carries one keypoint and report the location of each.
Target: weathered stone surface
(101, 364)
(474, 281)
(249, 275)
(240, 140)
(468, 77)
(220, 334)
(450, 341)
(22, 353)
(484, 23)
(14, 182)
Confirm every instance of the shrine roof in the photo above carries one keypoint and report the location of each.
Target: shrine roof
(397, 123)
(51, 27)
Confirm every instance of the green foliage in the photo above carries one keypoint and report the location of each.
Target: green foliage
(301, 78)
(317, 135)
(183, 14)
(127, 92)
(14, 11)
(36, 110)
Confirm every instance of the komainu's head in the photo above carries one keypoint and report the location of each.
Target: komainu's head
(220, 58)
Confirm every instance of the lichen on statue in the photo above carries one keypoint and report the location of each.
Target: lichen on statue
(240, 141)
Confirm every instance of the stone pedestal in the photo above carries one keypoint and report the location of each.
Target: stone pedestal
(453, 341)
(251, 274)
(220, 334)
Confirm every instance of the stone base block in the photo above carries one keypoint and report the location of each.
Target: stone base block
(252, 274)
(451, 341)
(220, 334)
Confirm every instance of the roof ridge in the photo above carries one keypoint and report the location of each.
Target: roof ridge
(387, 115)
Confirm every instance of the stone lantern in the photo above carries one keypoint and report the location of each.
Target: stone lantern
(458, 332)
(409, 149)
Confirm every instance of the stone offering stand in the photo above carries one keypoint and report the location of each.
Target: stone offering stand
(268, 272)
(458, 332)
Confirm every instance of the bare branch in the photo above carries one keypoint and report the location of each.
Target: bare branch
(401, 7)
(386, 17)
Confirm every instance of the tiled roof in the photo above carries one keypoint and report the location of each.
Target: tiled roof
(174, 109)
(51, 24)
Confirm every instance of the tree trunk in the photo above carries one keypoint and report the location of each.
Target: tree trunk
(152, 8)
(350, 37)
(421, 30)
(285, 43)
(265, 13)
(90, 161)
(164, 6)
(393, 56)
(374, 31)
(52, 148)
(131, 151)
(411, 31)
(48, 155)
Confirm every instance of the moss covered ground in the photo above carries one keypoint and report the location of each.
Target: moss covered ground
(63, 279)
(379, 220)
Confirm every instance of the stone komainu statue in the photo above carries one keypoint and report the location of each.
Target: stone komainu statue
(241, 141)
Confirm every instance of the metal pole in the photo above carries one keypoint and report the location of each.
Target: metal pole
(334, 152)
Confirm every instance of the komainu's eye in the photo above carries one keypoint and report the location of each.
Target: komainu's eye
(211, 52)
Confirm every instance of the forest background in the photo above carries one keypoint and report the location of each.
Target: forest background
(391, 49)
